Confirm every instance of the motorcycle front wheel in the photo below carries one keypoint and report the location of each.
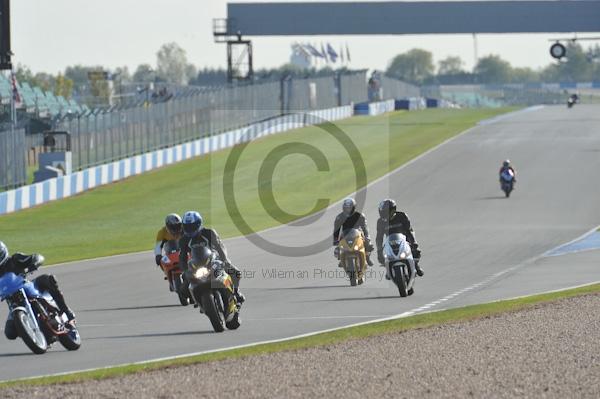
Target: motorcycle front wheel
(400, 279)
(212, 311)
(181, 292)
(351, 270)
(31, 334)
(72, 340)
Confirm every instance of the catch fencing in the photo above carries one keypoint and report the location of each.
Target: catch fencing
(394, 88)
(13, 170)
(105, 137)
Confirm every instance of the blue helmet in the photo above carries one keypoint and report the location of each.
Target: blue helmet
(192, 223)
(3, 254)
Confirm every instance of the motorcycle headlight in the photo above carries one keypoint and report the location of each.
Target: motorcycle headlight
(403, 255)
(356, 247)
(165, 260)
(201, 273)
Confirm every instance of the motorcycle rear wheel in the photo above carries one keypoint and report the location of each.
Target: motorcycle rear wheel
(35, 340)
(212, 311)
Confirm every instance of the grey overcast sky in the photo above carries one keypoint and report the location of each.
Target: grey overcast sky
(48, 35)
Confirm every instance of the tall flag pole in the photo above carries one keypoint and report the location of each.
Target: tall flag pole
(324, 53)
(348, 54)
(15, 97)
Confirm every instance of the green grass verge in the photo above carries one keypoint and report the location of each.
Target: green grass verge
(387, 327)
(124, 217)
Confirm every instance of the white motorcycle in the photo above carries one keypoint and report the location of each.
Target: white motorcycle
(400, 263)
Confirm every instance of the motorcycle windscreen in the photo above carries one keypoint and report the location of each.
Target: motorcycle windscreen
(507, 175)
(351, 235)
(10, 283)
(398, 243)
(171, 246)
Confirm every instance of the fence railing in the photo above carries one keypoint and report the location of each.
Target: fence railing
(103, 137)
(13, 170)
(110, 136)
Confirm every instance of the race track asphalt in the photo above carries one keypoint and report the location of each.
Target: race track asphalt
(477, 246)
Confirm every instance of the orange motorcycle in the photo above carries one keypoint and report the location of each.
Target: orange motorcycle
(173, 273)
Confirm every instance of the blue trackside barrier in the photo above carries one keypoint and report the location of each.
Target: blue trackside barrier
(411, 103)
(433, 103)
(87, 179)
(374, 108)
(568, 85)
(361, 109)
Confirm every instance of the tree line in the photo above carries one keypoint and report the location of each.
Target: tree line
(416, 66)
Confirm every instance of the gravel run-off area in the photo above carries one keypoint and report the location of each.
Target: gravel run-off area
(550, 350)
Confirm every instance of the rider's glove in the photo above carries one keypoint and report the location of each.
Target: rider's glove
(33, 267)
(416, 251)
(157, 259)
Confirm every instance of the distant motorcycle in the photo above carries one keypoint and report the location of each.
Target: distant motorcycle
(353, 256)
(173, 273)
(36, 317)
(212, 290)
(400, 263)
(507, 182)
(572, 100)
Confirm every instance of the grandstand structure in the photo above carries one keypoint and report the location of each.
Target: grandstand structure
(38, 103)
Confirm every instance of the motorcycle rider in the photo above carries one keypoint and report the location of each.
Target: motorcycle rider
(194, 233)
(17, 264)
(350, 218)
(392, 221)
(507, 166)
(171, 231)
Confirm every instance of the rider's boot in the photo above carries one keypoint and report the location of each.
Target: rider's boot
(369, 261)
(239, 296)
(420, 271)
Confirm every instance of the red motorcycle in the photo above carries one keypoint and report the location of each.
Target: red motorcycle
(173, 273)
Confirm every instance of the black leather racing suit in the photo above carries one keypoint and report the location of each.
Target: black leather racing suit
(210, 238)
(19, 263)
(398, 223)
(356, 220)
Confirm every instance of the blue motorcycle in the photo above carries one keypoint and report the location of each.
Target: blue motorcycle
(35, 316)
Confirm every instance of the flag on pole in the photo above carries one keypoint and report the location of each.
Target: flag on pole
(348, 53)
(324, 53)
(333, 56)
(342, 53)
(313, 50)
(15, 91)
(301, 50)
